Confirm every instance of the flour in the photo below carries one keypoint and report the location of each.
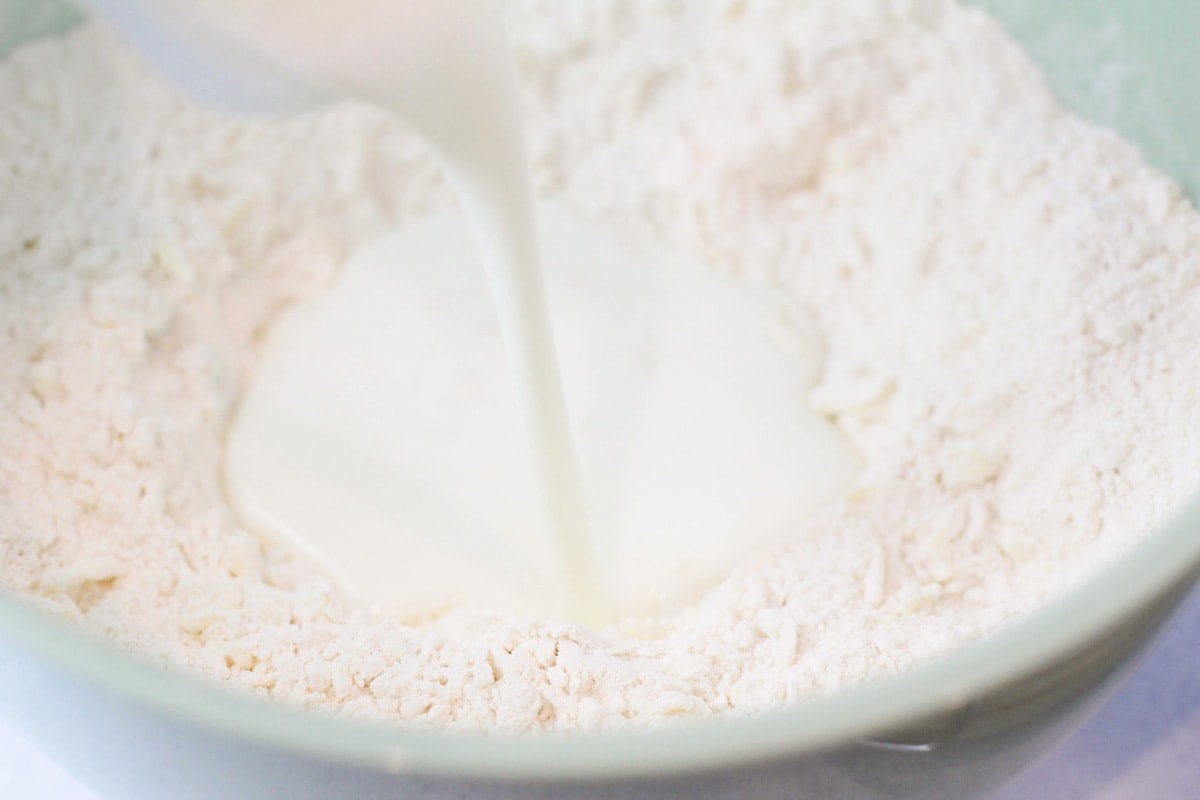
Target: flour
(1009, 296)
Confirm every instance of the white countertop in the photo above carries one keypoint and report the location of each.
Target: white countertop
(1144, 743)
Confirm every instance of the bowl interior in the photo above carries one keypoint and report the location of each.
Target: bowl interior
(1131, 66)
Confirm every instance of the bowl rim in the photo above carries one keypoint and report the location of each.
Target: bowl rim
(1166, 559)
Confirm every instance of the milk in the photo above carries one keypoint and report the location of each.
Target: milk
(410, 429)
(380, 426)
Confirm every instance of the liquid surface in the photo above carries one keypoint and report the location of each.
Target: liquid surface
(380, 429)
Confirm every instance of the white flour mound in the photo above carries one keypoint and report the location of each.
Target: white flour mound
(1011, 300)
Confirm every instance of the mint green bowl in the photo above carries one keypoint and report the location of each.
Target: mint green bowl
(950, 729)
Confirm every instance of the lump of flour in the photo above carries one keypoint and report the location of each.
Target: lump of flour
(1010, 299)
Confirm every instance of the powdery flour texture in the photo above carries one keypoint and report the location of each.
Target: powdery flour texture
(1009, 298)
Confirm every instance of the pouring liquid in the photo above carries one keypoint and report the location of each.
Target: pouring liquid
(699, 448)
(445, 69)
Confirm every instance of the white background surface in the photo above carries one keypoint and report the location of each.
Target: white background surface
(1144, 743)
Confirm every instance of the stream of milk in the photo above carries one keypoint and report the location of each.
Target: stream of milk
(411, 429)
